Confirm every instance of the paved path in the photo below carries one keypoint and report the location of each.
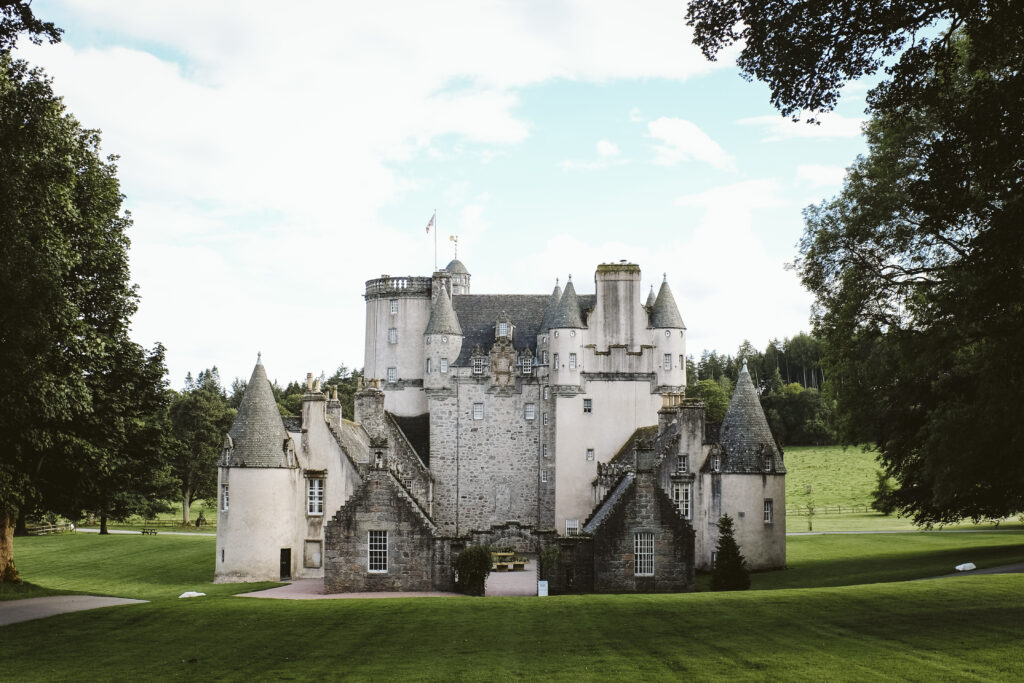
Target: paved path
(13, 611)
(313, 589)
(129, 531)
(895, 531)
(513, 583)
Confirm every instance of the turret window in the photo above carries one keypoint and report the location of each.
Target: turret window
(394, 306)
(428, 366)
(768, 510)
(556, 361)
(667, 361)
(224, 497)
(392, 375)
(392, 335)
(444, 366)
(588, 405)
(572, 361)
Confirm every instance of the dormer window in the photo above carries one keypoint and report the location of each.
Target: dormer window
(716, 463)
(766, 463)
(479, 362)
(502, 329)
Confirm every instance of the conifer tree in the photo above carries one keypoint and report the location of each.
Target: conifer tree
(730, 572)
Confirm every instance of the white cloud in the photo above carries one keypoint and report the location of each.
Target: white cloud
(683, 141)
(607, 149)
(829, 126)
(819, 175)
(607, 155)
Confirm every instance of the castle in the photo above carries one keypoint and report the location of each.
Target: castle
(524, 421)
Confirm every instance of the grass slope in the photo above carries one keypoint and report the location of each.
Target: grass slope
(966, 627)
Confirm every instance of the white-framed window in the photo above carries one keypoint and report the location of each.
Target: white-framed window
(766, 463)
(590, 454)
(543, 476)
(544, 357)
(428, 365)
(314, 496)
(444, 366)
(716, 463)
(682, 463)
(667, 361)
(527, 365)
(478, 411)
(572, 361)
(502, 329)
(768, 510)
(544, 450)
(572, 527)
(686, 502)
(556, 360)
(588, 405)
(547, 393)
(223, 496)
(545, 419)
(392, 375)
(643, 553)
(392, 335)
(530, 411)
(394, 306)
(478, 365)
(377, 552)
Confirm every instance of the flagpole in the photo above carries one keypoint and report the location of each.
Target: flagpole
(435, 240)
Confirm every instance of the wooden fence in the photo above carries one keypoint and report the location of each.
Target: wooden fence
(852, 508)
(44, 529)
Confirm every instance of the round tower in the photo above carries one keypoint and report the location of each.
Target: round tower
(442, 342)
(460, 277)
(565, 340)
(257, 482)
(669, 339)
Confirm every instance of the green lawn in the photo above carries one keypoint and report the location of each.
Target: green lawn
(965, 627)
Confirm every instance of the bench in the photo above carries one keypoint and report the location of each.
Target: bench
(148, 530)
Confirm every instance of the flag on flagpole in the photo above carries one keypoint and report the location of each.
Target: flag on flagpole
(431, 223)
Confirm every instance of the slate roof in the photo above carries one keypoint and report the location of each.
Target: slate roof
(609, 503)
(258, 433)
(665, 313)
(417, 431)
(568, 314)
(457, 267)
(552, 310)
(650, 299)
(477, 314)
(442, 316)
(292, 423)
(745, 436)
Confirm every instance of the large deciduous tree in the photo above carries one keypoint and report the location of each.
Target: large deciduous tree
(76, 394)
(918, 265)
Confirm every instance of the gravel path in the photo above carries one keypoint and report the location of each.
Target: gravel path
(13, 611)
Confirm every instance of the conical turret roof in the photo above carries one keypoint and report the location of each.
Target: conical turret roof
(650, 299)
(745, 436)
(457, 267)
(665, 313)
(568, 313)
(552, 310)
(258, 435)
(442, 316)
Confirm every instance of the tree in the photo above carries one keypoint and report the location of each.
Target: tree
(16, 18)
(716, 399)
(917, 267)
(74, 390)
(730, 571)
(199, 417)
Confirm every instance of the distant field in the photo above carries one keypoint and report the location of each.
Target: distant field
(960, 628)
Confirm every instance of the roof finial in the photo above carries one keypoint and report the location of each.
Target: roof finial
(570, 277)
(744, 365)
(664, 278)
(556, 281)
(259, 358)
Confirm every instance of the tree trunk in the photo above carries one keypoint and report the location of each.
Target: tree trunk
(103, 523)
(8, 574)
(21, 528)
(186, 505)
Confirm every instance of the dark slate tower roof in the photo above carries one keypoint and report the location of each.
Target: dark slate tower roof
(650, 300)
(568, 313)
(258, 433)
(456, 267)
(551, 312)
(442, 316)
(665, 313)
(745, 436)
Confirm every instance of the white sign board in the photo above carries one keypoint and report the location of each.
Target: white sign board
(542, 588)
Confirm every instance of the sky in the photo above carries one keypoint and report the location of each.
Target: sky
(275, 156)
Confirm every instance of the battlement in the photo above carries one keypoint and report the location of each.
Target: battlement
(403, 285)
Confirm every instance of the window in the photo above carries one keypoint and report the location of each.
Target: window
(590, 454)
(543, 357)
(768, 510)
(377, 552)
(543, 476)
(572, 527)
(478, 365)
(392, 335)
(588, 405)
(685, 504)
(530, 411)
(547, 393)
(544, 450)
(478, 411)
(392, 375)
(502, 329)
(223, 496)
(545, 419)
(572, 361)
(682, 464)
(682, 362)
(428, 365)
(527, 365)
(394, 306)
(643, 553)
(667, 361)
(716, 463)
(314, 496)
(766, 463)
(444, 366)
(556, 360)
(714, 559)
(312, 555)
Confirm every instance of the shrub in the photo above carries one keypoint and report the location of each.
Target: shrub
(730, 572)
(884, 495)
(473, 565)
